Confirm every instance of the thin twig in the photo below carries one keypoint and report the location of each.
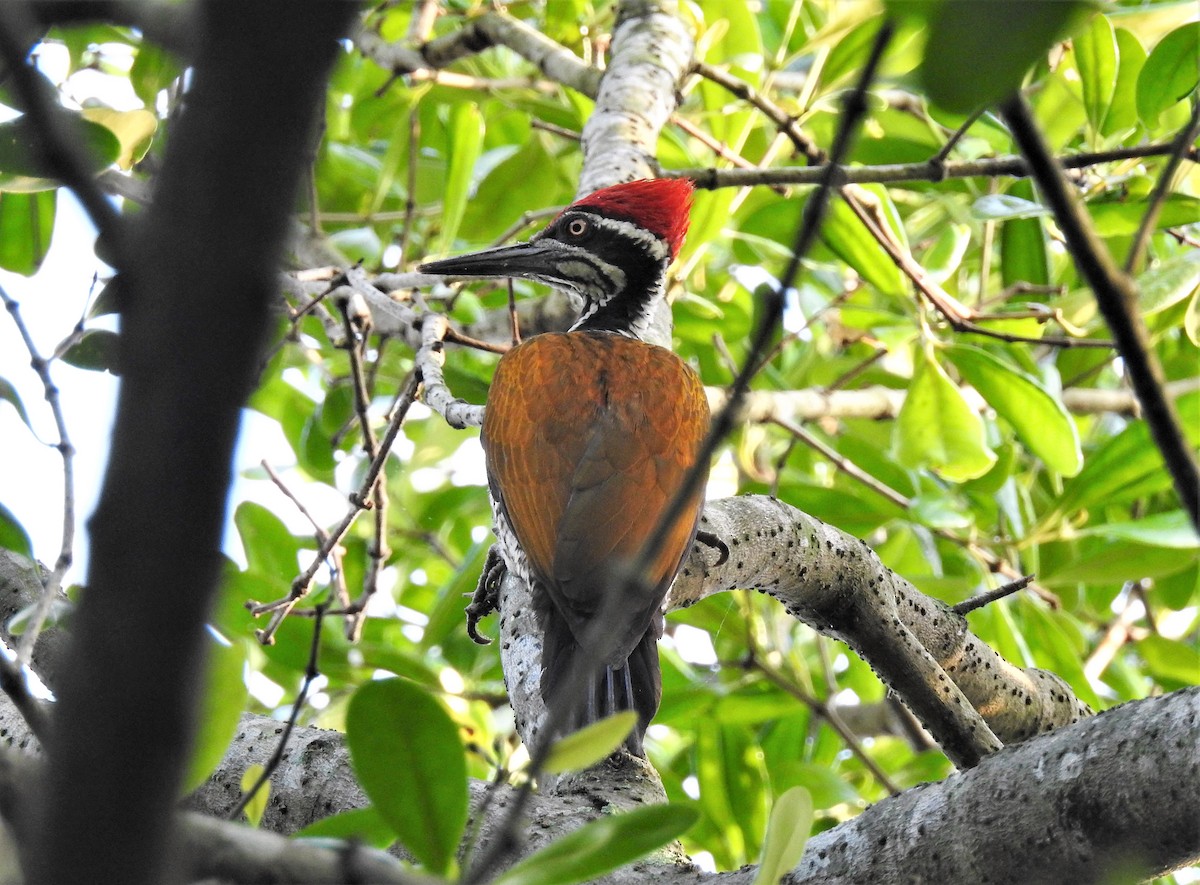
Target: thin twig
(1117, 297)
(960, 317)
(410, 187)
(995, 563)
(453, 336)
(1158, 199)
(560, 131)
(378, 549)
(785, 122)
(844, 464)
(827, 712)
(976, 602)
(335, 554)
(280, 608)
(513, 319)
(311, 672)
(955, 137)
(709, 178)
(52, 583)
(529, 217)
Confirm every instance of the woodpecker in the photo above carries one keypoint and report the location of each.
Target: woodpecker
(588, 434)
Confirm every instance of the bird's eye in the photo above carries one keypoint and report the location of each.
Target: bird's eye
(577, 227)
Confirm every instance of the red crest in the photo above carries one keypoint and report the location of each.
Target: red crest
(660, 205)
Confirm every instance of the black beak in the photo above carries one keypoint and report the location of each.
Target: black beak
(537, 260)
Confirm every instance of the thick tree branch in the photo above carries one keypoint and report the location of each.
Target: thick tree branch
(194, 316)
(917, 645)
(1098, 786)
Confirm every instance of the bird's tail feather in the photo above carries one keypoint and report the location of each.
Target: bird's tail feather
(579, 690)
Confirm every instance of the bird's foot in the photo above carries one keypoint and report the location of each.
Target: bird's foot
(486, 598)
(708, 539)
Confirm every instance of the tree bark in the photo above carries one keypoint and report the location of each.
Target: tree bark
(196, 289)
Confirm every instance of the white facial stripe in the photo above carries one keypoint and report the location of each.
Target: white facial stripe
(654, 246)
(589, 276)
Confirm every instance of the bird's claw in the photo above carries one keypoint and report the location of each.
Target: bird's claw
(708, 539)
(486, 598)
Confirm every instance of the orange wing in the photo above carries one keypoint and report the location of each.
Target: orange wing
(587, 437)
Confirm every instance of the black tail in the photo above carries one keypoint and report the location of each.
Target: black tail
(579, 690)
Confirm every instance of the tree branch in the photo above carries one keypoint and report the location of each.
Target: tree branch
(895, 173)
(207, 249)
(918, 646)
(1104, 800)
(478, 34)
(1117, 297)
(52, 591)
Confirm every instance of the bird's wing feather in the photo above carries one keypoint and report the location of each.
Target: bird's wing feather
(641, 447)
(534, 433)
(587, 437)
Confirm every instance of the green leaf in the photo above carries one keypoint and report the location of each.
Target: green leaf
(1107, 562)
(942, 259)
(1039, 419)
(1169, 282)
(787, 832)
(1122, 111)
(22, 162)
(1003, 207)
(1023, 256)
(271, 549)
(220, 710)
(826, 785)
(1124, 466)
(410, 761)
(26, 226)
(590, 744)
(602, 845)
(938, 428)
(96, 351)
(850, 241)
(361, 825)
(977, 53)
(1096, 60)
(152, 71)
(13, 536)
(257, 805)
(134, 131)
(1121, 219)
(1173, 530)
(9, 394)
(1191, 320)
(464, 132)
(1170, 73)
(1170, 659)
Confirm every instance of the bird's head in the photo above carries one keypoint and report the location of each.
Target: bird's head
(611, 248)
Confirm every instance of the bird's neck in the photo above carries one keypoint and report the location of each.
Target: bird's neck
(630, 312)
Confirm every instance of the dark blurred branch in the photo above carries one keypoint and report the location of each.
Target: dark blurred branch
(1183, 141)
(1117, 297)
(169, 24)
(198, 290)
